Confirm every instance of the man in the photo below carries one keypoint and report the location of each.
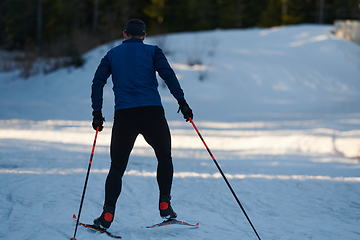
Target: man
(138, 110)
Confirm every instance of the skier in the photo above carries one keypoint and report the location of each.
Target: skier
(138, 110)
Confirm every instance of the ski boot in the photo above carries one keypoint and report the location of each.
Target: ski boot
(165, 208)
(106, 217)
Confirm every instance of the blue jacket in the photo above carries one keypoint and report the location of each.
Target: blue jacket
(133, 67)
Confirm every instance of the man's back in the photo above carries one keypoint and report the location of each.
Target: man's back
(133, 74)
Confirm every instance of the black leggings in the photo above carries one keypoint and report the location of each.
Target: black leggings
(128, 124)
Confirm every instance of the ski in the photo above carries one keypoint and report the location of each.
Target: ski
(97, 228)
(172, 222)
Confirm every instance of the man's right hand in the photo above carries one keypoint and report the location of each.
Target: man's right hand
(98, 120)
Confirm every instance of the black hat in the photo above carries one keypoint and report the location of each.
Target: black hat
(135, 27)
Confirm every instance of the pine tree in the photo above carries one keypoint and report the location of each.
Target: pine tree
(272, 16)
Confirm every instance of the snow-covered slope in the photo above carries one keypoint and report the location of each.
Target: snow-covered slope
(278, 107)
(247, 74)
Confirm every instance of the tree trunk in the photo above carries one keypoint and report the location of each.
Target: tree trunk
(39, 21)
(96, 14)
(321, 11)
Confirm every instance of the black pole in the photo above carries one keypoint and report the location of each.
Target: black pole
(86, 181)
(223, 175)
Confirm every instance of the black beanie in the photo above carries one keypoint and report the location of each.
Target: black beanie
(135, 27)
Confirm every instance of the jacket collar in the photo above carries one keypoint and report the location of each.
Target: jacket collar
(133, 39)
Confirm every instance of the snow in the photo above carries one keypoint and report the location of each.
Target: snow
(279, 108)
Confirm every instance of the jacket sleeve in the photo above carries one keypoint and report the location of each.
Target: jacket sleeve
(100, 78)
(165, 71)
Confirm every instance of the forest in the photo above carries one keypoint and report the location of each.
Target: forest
(72, 27)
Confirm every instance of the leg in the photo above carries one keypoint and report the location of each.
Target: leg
(157, 134)
(123, 137)
(122, 141)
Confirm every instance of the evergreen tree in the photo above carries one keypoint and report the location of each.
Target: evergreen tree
(19, 20)
(252, 12)
(272, 16)
(85, 23)
(301, 11)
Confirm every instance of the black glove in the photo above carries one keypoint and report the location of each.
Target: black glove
(185, 109)
(98, 120)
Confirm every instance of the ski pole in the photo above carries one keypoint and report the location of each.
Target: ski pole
(86, 181)
(223, 175)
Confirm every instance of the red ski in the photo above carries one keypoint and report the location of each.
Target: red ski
(97, 228)
(173, 222)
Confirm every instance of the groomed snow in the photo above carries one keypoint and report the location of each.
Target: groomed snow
(278, 107)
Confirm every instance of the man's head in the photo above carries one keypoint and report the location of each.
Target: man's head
(135, 28)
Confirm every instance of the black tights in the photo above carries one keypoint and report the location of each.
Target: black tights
(128, 124)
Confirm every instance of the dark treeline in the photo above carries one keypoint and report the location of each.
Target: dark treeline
(64, 26)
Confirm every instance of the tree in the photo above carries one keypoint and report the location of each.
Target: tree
(86, 23)
(272, 16)
(19, 19)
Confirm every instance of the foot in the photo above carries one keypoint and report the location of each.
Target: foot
(106, 217)
(165, 208)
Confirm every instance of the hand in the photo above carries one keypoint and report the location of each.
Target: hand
(185, 109)
(98, 120)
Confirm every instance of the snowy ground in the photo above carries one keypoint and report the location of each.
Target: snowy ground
(279, 108)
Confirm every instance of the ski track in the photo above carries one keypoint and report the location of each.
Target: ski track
(288, 205)
(275, 204)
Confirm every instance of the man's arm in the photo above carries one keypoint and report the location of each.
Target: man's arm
(165, 71)
(100, 78)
